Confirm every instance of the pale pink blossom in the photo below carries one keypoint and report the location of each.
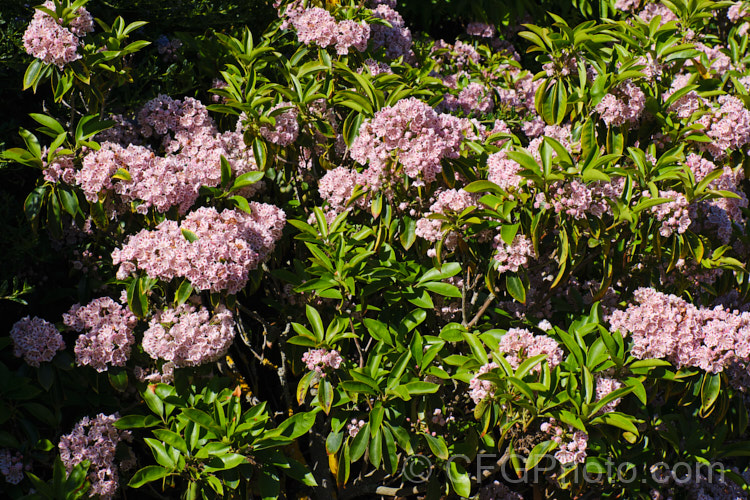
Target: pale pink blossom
(36, 340)
(108, 333)
(95, 439)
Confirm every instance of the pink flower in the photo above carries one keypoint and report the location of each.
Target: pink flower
(482, 30)
(49, 41)
(396, 39)
(667, 327)
(186, 336)
(108, 333)
(673, 215)
(623, 105)
(479, 388)
(519, 344)
(36, 340)
(354, 426)
(229, 244)
(11, 466)
(95, 440)
(320, 359)
(411, 133)
(514, 256)
(450, 202)
(286, 130)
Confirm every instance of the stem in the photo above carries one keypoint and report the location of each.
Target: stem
(481, 311)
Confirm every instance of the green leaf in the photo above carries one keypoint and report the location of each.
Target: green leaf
(148, 474)
(376, 448)
(378, 330)
(32, 143)
(376, 418)
(89, 126)
(203, 419)
(516, 287)
(32, 74)
(172, 439)
(260, 151)
(317, 324)
(710, 389)
(33, 204)
(444, 289)
(183, 293)
(437, 445)
(226, 172)
(189, 235)
(408, 235)
(118, 378)
(447, 270)
(419, 388)
(136, 422)
(325, 395)
(477, 349)
(241, 203)
(160, 453)
(122, 175)
(619, 420)
(459, 479)
(247, 179)
(360, 442)
(540, 451)
(48, 122)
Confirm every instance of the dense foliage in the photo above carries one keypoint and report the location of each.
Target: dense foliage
(334, 257)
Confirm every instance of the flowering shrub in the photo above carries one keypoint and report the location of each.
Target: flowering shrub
(364, 262)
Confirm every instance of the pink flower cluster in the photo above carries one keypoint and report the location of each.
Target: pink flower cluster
(651, 10)
(449, 202)
(626, 5)
(287, 129)
(36, 340)
(193, 148)
(109, 333)
(604, 386)
(475, 99)
(49, 41)
(514, 256)
(457, 56)
(718, 62)
(337, 186)
(228, 245)
(353, 427)
(503, 171)
(480, 389)
(320, 359)
(11, 466)
(396, 39)
(187, 336)
(482, 30)
(737, 11)
(376, 68)
(718, 213)
(317, 26)
(622, 106)
(572, 448)
(60, 168)
(519, 344)
(410, 132)
(673, 215)
(522, 94)
(666, 326)
(95, 440)
(728, 126)
(573, 198)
